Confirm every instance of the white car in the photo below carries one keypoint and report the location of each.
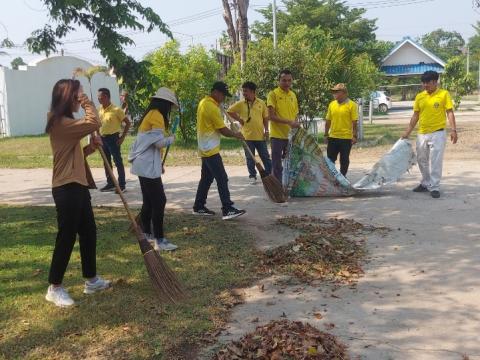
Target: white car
(381, 101)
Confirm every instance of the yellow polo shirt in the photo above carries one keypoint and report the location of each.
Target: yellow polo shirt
(341, 117)
(153, 120)
(209, 120)
(254, 128)
(111, 118)
(432, 110)
(286, 107)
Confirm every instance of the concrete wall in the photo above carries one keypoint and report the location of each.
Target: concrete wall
(408, 54)
(29, 91)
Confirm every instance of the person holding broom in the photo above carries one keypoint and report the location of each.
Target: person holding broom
(146, 158)
(252, 114)
(282, 111)
(210, 126)
(70, 183)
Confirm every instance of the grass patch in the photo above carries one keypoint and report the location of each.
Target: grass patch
(125, 321)
(29, 152)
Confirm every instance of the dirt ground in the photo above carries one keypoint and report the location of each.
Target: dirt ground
(419, 296)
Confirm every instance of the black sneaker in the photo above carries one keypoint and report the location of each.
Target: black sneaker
(252, 179)
(435, 194)
(107, 187)
(420, 188)
(232, 213)
(203, 212)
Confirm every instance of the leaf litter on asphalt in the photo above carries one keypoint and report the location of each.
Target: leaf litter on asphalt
(284, 340)
(325, 249)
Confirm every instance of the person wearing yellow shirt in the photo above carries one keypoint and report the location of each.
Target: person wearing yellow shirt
(282, 112)
(210, 126)
(112, 118)
(146, 159)
(252, 114)
(341, 127)
(431, 108)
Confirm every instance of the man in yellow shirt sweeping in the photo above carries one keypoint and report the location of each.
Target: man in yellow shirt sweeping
(341, 127)
(282, 112)
(430, 110)
(252, 114)
(210, 126)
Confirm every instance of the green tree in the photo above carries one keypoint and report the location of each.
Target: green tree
(104, 19)
(190, 75)
(317, 64)
(444, 44)
(474, 42)
(334, 18)
(17, 62)
(456, 80)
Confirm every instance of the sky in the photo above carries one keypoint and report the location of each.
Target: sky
(201, 22)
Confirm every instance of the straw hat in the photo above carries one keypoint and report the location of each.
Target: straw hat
(339, 87)
(166, 94)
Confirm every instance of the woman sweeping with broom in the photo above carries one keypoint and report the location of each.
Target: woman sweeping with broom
(146, 158)
(70, 183)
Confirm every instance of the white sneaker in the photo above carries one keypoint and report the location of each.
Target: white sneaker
(252, 180)
(59, 296)
(98, 285)
(164, 244)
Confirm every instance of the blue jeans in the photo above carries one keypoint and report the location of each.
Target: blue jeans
(112, 149)
(212, 168)
(261, 146)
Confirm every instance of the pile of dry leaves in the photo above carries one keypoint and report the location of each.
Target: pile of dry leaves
(326, 249)
(282, 340)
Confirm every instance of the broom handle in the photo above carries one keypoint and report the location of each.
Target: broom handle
(119, 191)
(244, 143)
(174, 129)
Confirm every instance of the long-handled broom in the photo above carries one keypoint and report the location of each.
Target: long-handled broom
(164, 281)
(271, 184)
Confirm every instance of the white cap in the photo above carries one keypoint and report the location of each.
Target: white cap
(166, 94)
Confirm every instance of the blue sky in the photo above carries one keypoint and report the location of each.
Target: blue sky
(201, 22)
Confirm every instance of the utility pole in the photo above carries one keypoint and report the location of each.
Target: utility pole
(274, 21)
(468, 60)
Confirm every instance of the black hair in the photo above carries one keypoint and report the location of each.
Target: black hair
(249, 85)
(162, 105)
(284, 72)
(429, 75)
(105, 91)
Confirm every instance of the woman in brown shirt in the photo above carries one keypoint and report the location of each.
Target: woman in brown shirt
(70, 182)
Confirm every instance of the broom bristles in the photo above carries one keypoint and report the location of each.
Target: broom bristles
(274, 189)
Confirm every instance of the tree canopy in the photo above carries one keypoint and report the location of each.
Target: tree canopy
(444, 44)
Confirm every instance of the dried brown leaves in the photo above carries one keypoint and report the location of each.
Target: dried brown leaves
(282, 340)
(326, 249)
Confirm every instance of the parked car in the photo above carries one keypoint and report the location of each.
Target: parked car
(381, 101)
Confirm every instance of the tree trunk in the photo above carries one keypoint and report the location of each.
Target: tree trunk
(243, 29)
(232, 33)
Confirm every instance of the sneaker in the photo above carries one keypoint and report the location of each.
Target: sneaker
(107, 188)
(203, 212)
(253, 180)
(59, 296)
(164, 244)
(232, 213)
(420, 188)
(435, 194)
(98, 285)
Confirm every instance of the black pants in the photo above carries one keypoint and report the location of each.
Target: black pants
(279, 151)
(112, 149)
(342, 147)
(262, 148)
(212, 168)
(74, 216)
(153, 208)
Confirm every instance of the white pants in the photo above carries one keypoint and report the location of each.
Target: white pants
(430, 148)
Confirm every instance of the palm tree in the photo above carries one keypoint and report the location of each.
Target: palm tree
(89, 73)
